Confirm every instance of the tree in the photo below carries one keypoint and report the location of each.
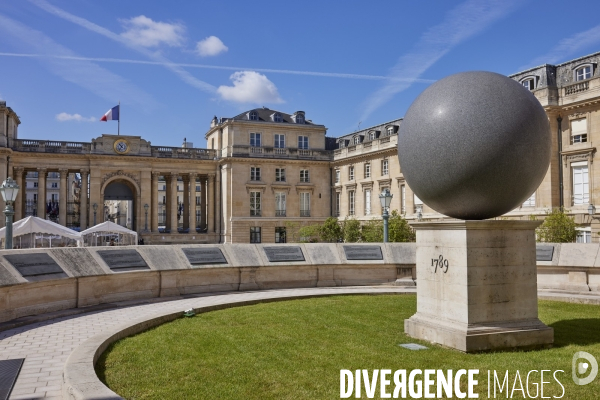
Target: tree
(558, 227)
(309, 233)
(331, 231)
(372, 231)
(351, 230)
(399, 230)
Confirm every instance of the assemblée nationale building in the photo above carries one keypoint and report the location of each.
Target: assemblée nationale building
(265, 173)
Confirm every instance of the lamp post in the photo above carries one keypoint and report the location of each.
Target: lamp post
(386, 199)
(419, 212)
(95, 207)
(146, 206)
(9, 190)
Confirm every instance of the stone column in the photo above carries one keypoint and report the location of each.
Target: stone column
(203, 203)
(41, 201)
(83, 199)
(20, 202)
(218, 204)
(186, 201)
(192, 210)
(154, 202)
(167, 205)
(211, 203)
(62, 197)
(172, 209)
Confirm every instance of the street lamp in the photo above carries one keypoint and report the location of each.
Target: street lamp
(146, 206)
(95, 207)
(386, 199)
(419, 212)
(9, 190)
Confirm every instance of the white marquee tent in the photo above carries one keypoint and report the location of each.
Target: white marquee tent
(101, 234)
(34, 231)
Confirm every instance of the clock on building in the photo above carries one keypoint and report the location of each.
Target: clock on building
(121, 146)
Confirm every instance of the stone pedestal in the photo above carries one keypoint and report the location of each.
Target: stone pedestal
(477, 286)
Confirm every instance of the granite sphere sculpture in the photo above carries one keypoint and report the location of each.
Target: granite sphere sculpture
(474, 145)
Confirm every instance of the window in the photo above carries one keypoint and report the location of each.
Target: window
(579, 130)
(35, 184)
(368, 202)
(351, 173)
(305, 204)
(402, 199)
(164, 187)
(254, 173)
(212, 143)
(389, 130)
(584, 235)
(417, 202)
(342, 144)
(54, 197)
(528, 83)
(280, 204)
(351, 202)
(338, 202)
(303, 142)
(356, 140)
(164, 200)
(385, 167)
(581, 187)
(255, 140)
(304, 177)
(372, 135)
(255, 204)
(277, 117)
(583, 73)
(367, 170)
(280, 174)
(279, 141)
(198, 200)
(279, 234)
(299, 118)
(54, 185)
(530, 202)
(255, 234)
(253, 116)
(338, 175)
(197, 188)
(35, 197)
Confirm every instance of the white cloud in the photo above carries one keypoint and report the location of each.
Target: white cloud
(145, 32)
(211, 46)
(250, 87)
(157, 57)
(63, 117)
(461, 23)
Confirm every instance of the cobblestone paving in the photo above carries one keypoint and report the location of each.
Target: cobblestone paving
(47, 345)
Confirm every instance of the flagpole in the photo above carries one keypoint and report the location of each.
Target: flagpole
(119, 121)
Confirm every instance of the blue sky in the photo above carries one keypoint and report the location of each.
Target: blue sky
(174, 65)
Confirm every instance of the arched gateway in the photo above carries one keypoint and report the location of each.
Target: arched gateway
(120, 203)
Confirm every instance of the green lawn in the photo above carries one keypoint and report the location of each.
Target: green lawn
(295, 350)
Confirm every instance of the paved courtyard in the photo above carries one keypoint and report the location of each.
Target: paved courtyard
(46, 345)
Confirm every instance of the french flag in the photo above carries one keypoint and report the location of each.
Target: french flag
(112, 114)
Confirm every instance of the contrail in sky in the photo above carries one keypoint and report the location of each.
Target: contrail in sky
(461, 23)
(219, 67)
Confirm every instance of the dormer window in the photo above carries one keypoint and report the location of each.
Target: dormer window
(584, 72)
(299, 117)
(372, 135)
(253, 116)
(277, 117)
(390, 130)
(342, 144)
(356, 140)
(528, 83)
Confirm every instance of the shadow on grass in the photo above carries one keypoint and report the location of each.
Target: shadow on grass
(576, 331)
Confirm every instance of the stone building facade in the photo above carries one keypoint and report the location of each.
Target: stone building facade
(265, 173)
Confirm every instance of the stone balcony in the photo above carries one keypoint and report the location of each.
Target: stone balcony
(52, 146)
(274, 152)
(383, 143)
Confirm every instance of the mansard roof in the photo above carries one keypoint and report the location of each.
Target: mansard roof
(266, 115)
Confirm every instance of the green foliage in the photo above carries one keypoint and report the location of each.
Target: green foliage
(372, 231)
(309, 233)
(331, 231)
(558, 227)
(351, 230)
(399, 230)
